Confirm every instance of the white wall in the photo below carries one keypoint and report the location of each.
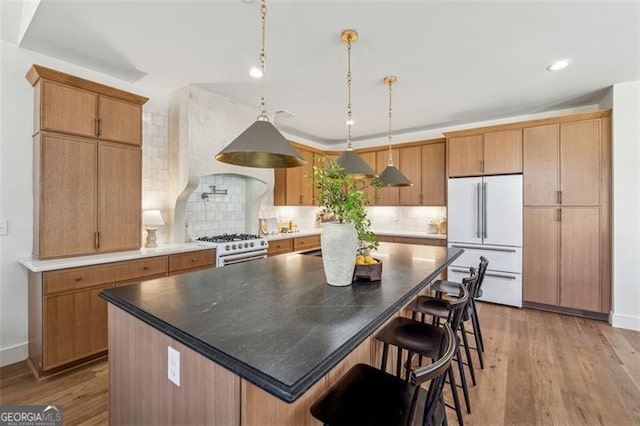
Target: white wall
(16, 183)
(626, 205)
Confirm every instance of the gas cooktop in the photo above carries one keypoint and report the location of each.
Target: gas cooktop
(225, 238)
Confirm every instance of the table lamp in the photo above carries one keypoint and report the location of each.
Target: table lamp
(152, 219)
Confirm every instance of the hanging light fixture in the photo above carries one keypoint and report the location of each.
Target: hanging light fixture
(391, 176)
(261, 145)
(349, 160)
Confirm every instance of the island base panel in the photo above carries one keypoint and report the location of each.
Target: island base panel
(140, 391)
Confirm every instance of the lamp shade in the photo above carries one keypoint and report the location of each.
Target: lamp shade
(391, 176)
(354, 165)
(152, 218)
(263, 146)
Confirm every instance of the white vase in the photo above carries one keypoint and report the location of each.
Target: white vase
(339, 242)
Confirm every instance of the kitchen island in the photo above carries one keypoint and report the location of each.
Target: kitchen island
(258, 341)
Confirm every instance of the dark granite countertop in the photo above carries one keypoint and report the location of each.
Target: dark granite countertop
(275, 322)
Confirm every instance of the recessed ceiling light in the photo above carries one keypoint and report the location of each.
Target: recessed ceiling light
(255, 72)
(349, 122)
(558, 65)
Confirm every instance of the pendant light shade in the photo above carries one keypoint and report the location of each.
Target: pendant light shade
(391, 176)
(349, 160)
(261, 145)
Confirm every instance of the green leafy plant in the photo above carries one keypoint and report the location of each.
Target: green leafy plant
(343, 199)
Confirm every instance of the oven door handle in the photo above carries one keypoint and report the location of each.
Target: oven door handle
(244, 259)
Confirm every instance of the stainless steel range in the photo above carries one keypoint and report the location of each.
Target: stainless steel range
(236, 248)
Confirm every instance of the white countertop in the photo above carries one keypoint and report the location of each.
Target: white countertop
(36, 265)
(414, 234)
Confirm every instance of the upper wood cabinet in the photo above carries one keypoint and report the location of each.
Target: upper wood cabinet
(434, 176)
(562, 164)
(87, 189)
(489, 153)
(370, 159)
(72, 105)
(411, 167)
(387, 196)
(291, 186)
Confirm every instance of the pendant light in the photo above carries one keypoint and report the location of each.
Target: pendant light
(391, 176)
(261, 145)
(349, 160)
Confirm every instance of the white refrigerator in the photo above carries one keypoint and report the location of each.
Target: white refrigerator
(485, 219)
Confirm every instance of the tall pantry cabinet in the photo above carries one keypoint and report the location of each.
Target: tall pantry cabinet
(87, 166)
(566, 215)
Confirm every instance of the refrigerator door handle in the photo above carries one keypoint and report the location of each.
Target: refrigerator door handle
(478, 210)
(506, 250)
(484, 210)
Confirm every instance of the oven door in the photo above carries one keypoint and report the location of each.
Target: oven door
(241, 257)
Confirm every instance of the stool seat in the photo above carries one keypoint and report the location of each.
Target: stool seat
(431, 306)
(451, 287)
(366, 396)
(423, 339)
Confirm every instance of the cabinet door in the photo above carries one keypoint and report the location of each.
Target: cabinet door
(580, 258)
(389, 196)
(503, 152)
(411, 167)
(119, 197)
(67, 109)
(306, 179)
(580, 163)
(465, 156)
(370, 159)
(434, 177)
(279, 187)
(120, 121)
(67, 202)
(541, 162)
(541, 253)
(75, 326)
(293, 197)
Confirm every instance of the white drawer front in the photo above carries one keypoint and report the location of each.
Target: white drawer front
(508, 259)
(498, 287)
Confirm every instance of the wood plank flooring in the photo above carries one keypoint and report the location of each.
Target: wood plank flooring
(540, 369)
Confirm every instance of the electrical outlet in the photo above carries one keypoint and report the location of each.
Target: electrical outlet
(4, 227)
(173, 367)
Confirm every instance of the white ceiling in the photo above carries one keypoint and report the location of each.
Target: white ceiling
(456, 62)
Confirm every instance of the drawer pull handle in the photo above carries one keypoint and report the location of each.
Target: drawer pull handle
(146, 268)
(194, 259)
(78, 279)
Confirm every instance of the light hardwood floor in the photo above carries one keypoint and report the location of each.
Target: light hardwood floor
(540, 368)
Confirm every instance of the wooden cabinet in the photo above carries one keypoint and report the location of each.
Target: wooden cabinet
(306, 242)
(411, 167)
(72, 105)
(280, 247)
(292, 186)
(370, 159)
(434, 176)
(87, 190)
(389, 196)
(412, 240)
(191, 261)
(488, 153)
(566, 246)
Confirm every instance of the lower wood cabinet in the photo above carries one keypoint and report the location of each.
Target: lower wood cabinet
(412, 240)
(277, 247)
(308, 242)
(67, 317)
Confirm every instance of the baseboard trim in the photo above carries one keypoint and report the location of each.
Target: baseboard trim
(624, 321)
(13, 354)
(568, 311)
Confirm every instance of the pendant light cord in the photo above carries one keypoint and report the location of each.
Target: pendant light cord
(263, 58)
(390, 163)
(349, 111)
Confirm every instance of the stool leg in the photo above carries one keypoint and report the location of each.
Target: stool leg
(463, 380)
(454, 392)
(476, 323)
(468, 353)
(478, 346)
(385, 351)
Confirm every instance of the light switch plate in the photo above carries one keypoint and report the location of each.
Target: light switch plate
(173, 367)
(4, 227)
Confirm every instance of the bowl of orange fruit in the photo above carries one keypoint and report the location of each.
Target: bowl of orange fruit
(367, 269)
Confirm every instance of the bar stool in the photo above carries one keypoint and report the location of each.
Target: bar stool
(450, 287)
(368, 396)
(424, 340)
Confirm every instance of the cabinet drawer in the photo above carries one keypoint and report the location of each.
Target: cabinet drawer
(280, 246)
(421, 241)
(193, 259)
(310, 241)
(89, 276)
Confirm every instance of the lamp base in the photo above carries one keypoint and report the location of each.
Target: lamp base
(151, 238)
